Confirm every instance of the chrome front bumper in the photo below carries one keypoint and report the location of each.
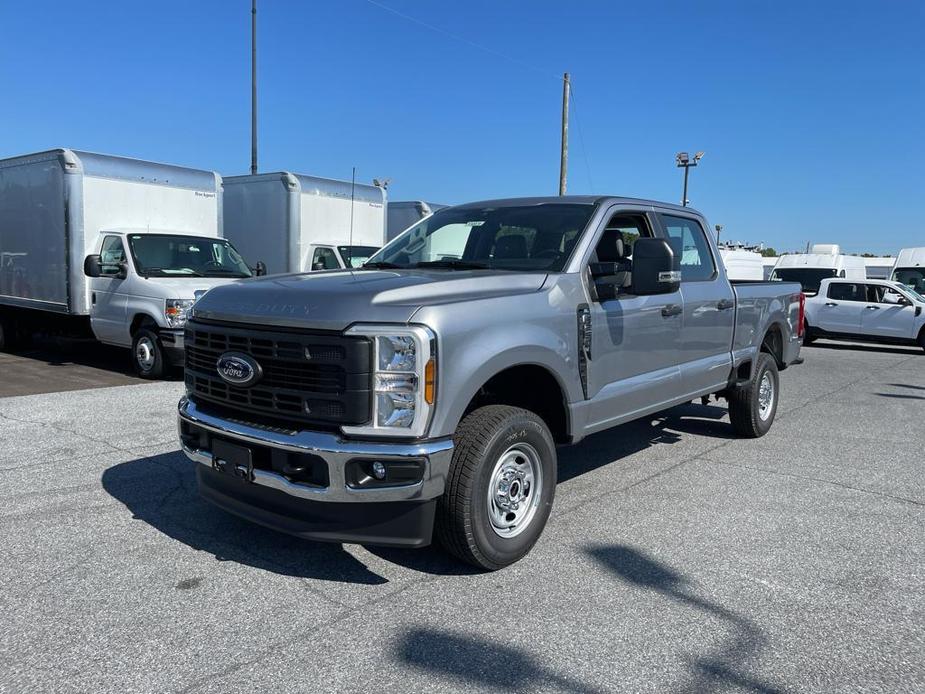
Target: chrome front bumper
(335, 452)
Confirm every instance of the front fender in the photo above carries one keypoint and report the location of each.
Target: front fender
(465, 365)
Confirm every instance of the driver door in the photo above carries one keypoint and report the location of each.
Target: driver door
(635, 340)
(107, 299)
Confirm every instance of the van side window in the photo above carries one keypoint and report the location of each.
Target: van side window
(847, 291)
(687, 238)
(112, 255)
(324, 259)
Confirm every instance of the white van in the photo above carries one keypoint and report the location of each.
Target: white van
(111, 247)
(299, 223)
(742, 264)
(823, 261)
(909, 268)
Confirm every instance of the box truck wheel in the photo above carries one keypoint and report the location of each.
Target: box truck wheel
(147, 354)
(500, 486)
(753, 405)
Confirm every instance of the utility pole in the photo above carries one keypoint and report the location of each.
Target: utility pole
(563, 159)
(253, 87)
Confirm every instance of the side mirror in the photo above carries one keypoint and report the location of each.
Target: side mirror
(92, 266)
(656, 267)
(260, 269)
(123, 271)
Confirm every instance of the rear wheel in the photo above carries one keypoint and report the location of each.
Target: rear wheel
(147, 354)
(808, 336)
(500, 487)
(753, 405)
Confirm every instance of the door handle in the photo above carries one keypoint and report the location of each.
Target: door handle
(873, 308)
(725, 304)
(671, 310)
(830, 303)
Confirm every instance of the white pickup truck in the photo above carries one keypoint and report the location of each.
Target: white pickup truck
(866, 311)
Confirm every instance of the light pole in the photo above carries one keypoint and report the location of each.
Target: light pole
(684, 161)
(253, 87)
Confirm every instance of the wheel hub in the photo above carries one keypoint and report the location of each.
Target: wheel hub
(765, 396)
(514, 490)
(144, 353)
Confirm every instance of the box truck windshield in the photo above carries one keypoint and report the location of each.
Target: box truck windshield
(163, 255)
(809, 277)
(355, 256)
(911, 277)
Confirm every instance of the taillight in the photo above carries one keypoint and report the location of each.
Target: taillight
(801, 324)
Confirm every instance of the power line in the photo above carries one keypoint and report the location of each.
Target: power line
(581, 140)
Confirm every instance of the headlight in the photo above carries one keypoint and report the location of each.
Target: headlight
(176, 312)
(403, 380)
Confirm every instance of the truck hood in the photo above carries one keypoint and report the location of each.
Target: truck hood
(336, 299)
(180, 287)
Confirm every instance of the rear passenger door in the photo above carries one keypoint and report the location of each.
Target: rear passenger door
(709, 307)
(841, 310)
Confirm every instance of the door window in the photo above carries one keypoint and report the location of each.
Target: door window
(687, 238)
(112, 256)
(324, 259)
(847, 291)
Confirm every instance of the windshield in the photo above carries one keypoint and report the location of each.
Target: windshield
(162, 255)
(809, 277)
(913, 277)
(354, 256)
(527, 238)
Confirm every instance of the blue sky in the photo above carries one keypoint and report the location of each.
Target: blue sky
(812, 114)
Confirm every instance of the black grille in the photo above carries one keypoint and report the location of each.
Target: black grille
(317, 378)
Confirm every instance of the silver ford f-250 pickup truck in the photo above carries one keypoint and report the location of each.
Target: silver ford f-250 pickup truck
(426, 391)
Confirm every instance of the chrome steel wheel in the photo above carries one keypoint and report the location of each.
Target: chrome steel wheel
(766, 396)
(515, 490)
(145, 353)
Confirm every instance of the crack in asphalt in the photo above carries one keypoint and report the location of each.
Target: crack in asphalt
(810, 478)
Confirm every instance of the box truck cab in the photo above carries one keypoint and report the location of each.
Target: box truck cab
(300, 223)
(823, 261)
(909, 268)
(112, 247)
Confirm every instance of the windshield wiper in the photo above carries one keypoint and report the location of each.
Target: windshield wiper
(381, 265)
(453, 264)
(186, 272)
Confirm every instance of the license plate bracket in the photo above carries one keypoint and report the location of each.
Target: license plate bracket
(233, 459)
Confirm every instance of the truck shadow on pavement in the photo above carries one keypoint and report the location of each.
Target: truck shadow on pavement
(718, 669)
(161, 491)
(473, 661)
(882, 349)
(667, 427)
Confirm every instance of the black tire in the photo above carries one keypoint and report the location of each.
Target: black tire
(8, 335)
(745, 410)
(484, 439)
(922, 338)
(809, 337)
(146, 342)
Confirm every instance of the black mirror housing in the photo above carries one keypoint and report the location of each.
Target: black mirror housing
(92, 266)
(260, 269)
(656, 267)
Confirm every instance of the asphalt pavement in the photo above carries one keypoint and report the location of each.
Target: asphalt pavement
(678, 558)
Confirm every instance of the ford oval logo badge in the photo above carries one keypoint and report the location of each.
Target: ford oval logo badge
(238, 369)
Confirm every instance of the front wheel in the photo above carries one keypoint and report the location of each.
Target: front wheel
(922, 338)
(500, 487)
(753, 405)
(809, 337)
(147, 354)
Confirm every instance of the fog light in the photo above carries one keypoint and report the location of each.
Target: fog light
(378, 470)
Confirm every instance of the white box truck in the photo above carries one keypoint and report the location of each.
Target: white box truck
(302, 223)
(909, 268)
(823, 260)
(404, 213)
(115, 247)
(742, 263)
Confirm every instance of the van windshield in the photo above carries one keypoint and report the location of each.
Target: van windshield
(164, 255)
(913, 277)
(809, 277)
(354, 256)
(525, 238)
